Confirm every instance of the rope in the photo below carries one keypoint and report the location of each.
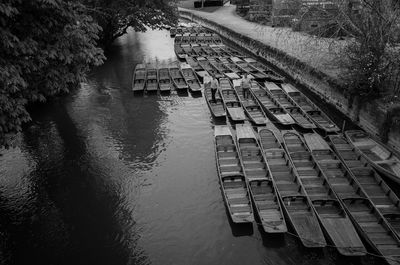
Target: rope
(333, 246)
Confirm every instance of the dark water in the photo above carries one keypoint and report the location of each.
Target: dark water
(123, 179)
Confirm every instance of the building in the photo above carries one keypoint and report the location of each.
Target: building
(315, 15)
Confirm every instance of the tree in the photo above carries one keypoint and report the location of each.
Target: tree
(115, 17)
(372, 57)
(46, 48)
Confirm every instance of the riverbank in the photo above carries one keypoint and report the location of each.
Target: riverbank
(306, 61)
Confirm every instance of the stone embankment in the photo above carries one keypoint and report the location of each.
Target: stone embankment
(304, 60)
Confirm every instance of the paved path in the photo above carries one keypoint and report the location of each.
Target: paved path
(315, 52)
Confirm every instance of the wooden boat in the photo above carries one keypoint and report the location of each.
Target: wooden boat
(217, 108)
(177, 78)
(139, 78)
(316, 114)
(261, 187)
(231, 100)
(298, 115)
(164, 80)
(216, 63)
(248, 69)
(180, 53)
(271, 106)
(232, 66)
(294, 201)
(208, 38)
(191, 78)
(152, 80)
(216, 39)
(218, 48)
(185, 38)
(270, 74)
(233, 52)
(203, 62)
(209, 52)
(178, 39)
(194, 64)
(323, 192)
(201, 37)
(193, 38)
(250, 105)
(172, 32)
(231, 178)
(380, 157)
(372, 185)
(188, 50)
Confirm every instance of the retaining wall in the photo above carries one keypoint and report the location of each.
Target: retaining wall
(325, 87)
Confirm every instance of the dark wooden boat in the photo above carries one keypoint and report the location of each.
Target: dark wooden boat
(231, 101)
(209, 52)
(193, 38)
(207, 66)
(208, 38)
(299, 116)
(185, 38)
(316, 114)
(275, 111)
(164, 80)
(188, 50)
(201, 38)
(323, 192)
(233, 52)
(261, 186)
(250, 105)
(218, 48)
(232, 66)
(172, 32)
(139, 78)
(373, 186)
(194, 64)
(198, 50)
(380, 157)
(216, 63)
(248, 69)
(271, 75)
(191, 78)
(177, 78)
(217, 108)
(152, 79)
(178, 39)
(233, 183)
(180, 53)
(216, 39)
(294, 201)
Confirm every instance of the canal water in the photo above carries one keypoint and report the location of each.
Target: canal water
(106, 177)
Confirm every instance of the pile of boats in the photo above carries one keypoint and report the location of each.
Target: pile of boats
(320, 187)
(165, 78)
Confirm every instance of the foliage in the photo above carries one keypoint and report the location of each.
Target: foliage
(46, 47)
(115, 17)
(372, 57)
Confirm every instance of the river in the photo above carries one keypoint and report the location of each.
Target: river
(106, 177)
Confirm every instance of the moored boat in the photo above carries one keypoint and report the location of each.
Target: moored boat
(194, 64)
(323, 192)
(216, 107)
(218, 48)
(261, 187)
(313, 111)
(375, 188)
(233, 183)
(203, 62)
(270, 74)
(248, 68)
(231, 101)
(139, 78)
(298, 115)
(380, 157)
(250, 105)
(295, 203)
(152, 79)
(275, 111)
(164, 80)
(191, 78)
(177, 78)
(180, 53)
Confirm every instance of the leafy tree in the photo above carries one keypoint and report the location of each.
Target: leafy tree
(115, 17)
(46, 47)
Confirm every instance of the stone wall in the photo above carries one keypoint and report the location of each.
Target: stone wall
(325, 87)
